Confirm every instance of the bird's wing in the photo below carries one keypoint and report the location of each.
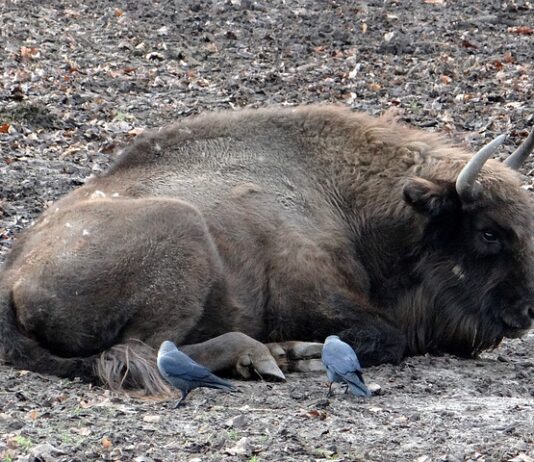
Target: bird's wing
(178, 365)
(181, 365)
(341, 358)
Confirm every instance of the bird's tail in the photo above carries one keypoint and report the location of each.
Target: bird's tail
(356, 384)
(220, 384)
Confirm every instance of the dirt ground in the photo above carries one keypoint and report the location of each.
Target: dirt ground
(79, 79)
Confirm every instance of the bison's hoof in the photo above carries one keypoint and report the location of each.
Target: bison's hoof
(261, 368)
(305, 350)
(306, 365)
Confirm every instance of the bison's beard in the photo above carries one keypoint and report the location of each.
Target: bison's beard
(445, 312)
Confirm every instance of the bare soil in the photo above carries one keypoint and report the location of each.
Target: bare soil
(79, 79)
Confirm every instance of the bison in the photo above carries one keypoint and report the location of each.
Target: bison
(243, 235)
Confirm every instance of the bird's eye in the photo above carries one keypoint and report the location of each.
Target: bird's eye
(489, 236)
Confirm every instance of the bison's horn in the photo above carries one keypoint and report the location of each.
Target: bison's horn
(516, 159)
(465, 183)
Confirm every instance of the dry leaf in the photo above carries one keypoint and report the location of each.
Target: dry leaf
(445, 79)
(83, 431)
(4, 128)
(522, 457)
(84, 404)
(508, 57)
(33, 414)
(388, 36)
(106, 442)
(136, 131)
(314, 413)
(522, 30)
(498, 65)
(29, 52)
(374, 86)
(71, 13)
(118, 12)
(468, 44)
(212, 47)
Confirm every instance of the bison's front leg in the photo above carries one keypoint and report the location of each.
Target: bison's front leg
(236, 351)
(297, 356)
(375, 340)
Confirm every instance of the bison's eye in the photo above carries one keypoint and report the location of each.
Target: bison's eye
(489, 236)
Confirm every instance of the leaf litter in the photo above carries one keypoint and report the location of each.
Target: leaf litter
(81, 79)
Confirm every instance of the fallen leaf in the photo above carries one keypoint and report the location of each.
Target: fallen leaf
(521, 457)
(375, 409)
(388, 36)
(33, 414)
(71, 13)
(315, 414)
(508, 57)
(4, 128)
(445, 79)
(83, 431)
(522, 30)
(118, 12)
(374, 86)
(85, 405)
(423, 459)
(498, 65)
(211, 47)
(29, 52)
(468, 44)
(136, 131)
(241, 448)
(106, 442)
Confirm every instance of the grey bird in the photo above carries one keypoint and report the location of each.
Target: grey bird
(342, 366)
(185, 374)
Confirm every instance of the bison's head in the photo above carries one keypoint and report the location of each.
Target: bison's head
(473, 277)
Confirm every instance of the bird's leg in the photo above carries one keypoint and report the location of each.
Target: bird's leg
(180, 401)
(329, 394)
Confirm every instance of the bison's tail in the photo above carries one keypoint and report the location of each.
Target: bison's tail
(123, 366)
(131, 365)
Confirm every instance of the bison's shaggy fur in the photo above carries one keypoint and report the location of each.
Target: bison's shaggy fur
(231, 229)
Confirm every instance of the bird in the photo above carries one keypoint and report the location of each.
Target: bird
(185, 374)
(342, 365)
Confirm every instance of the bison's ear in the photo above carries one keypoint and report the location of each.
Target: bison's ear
(428, 197)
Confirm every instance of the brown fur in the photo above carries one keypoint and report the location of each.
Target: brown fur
(228, 230)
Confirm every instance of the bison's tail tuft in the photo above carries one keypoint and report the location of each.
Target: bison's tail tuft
(131, 365)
